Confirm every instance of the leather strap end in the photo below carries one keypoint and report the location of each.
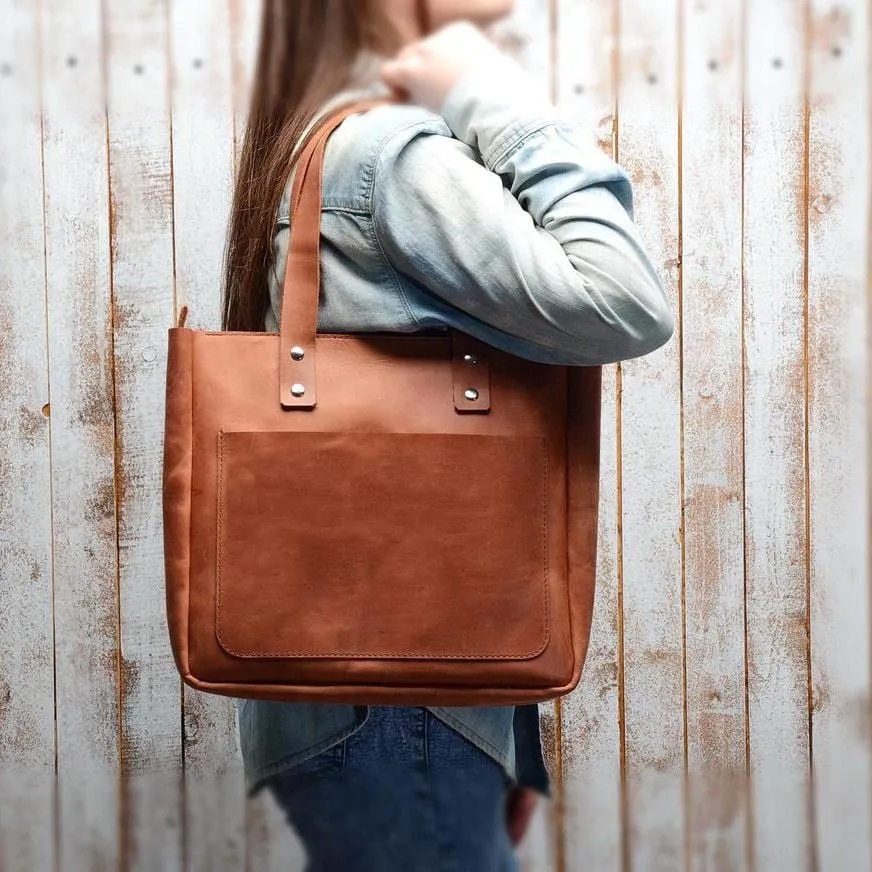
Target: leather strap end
(471, 374)
(297, 375)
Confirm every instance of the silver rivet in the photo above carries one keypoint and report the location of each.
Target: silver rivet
(297, 389)
(297, 353)
(470, 358)
(471, 394)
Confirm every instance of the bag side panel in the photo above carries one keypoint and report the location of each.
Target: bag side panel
(177, 466)
(583, 456)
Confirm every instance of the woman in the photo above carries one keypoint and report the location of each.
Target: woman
(471, 204)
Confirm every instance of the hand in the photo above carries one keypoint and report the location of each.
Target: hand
(520, 805)
(424, 72)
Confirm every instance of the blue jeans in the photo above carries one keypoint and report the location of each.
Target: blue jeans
(404, 793)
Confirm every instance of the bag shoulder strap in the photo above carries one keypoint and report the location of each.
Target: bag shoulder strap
(301, 288)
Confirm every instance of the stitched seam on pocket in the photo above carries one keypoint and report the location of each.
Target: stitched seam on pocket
(357, 655)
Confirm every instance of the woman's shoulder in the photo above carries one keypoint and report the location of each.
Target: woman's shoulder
(363, 141)
(359, 145)
(381, 123)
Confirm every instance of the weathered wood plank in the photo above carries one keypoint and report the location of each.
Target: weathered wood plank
(838, 344)
(774, 420)
(591, 742)
(712, 396)
(142, 271)
(526, 36)
(82, 432)
(27, 742)
(650, 425)
(272, 844)
(202, 126)
(245, 18)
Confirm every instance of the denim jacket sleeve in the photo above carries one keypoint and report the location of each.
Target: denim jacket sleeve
(522, 223)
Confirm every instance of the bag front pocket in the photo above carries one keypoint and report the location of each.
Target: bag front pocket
(382, 545)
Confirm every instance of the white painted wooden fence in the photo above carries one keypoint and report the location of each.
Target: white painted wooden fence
(723, 722)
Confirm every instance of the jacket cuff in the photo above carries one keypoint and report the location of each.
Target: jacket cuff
(493, 107)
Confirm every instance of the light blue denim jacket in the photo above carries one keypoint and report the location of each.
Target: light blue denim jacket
(495, 216)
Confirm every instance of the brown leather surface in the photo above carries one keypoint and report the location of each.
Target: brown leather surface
(417, 533)
(383, 545)
(471, 372)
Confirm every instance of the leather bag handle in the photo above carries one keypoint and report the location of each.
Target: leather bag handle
(302, 285)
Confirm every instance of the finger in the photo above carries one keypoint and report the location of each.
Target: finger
(408, 63)
(392, 74)
(520, 807)
(513, 823)
(406, 51)
(399, 94)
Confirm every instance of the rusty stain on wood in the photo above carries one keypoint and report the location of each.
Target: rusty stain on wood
(825, 184)
(829, 32)
(548, 729)
(31, 425)
(101, 502)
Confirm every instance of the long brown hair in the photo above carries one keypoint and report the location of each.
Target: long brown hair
(307, 49)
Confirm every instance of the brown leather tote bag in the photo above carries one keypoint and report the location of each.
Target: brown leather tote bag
(375, 518)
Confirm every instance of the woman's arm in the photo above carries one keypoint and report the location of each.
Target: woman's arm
(521, 222)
